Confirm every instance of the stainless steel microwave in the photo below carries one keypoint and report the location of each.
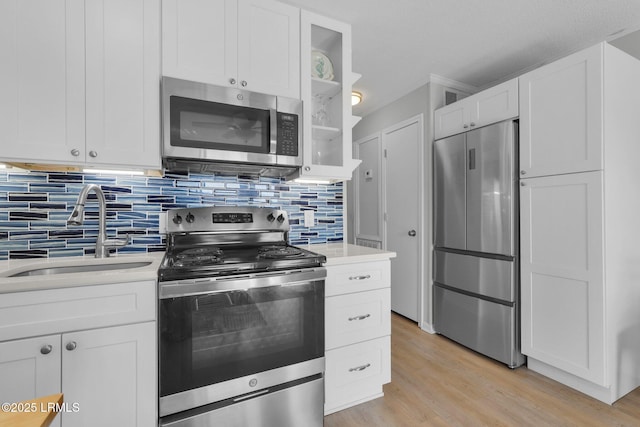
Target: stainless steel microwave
(217, 129)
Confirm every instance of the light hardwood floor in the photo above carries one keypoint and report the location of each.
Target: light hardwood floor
(436, 382)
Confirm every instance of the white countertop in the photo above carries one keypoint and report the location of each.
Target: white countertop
(345, 253)
(336, 253)
(68, 280)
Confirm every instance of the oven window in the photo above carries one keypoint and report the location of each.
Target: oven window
(212, 125)
(207, 339)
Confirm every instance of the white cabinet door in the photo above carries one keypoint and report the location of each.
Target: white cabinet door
(562, 287)
(200, 40)
(494, 105)
(30, 368)
(42, 80)
(122, 82)
(451, 119)
(253, 44)
(561, 116)
(269, 47)
(111, 374)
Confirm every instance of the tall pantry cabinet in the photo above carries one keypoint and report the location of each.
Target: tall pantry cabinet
(579, 149)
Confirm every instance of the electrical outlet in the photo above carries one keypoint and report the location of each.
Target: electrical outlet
(162, 223)
(309, 219)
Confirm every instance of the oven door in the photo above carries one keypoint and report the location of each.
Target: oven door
(234, 335)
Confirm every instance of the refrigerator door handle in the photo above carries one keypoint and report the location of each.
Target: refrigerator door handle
(472, 159)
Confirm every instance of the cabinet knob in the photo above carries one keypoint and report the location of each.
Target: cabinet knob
(75, 152)
(232, 81)
(93, 153)
(46, 349)
(307, 168)
(71, 345)
(465, 126)
(472, 124)
(243, 83)
(522, 184)
(523, 172)
(412, 233)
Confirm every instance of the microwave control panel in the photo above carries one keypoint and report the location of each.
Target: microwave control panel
(287, 134)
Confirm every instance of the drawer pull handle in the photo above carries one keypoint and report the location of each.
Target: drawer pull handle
(360, 368)
(361, 317)
(368, 276)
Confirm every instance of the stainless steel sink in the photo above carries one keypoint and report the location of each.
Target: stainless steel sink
(80, 268)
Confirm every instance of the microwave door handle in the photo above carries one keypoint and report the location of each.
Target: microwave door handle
(273, 131)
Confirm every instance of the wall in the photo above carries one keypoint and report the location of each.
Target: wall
(34, 207)
(423, 100)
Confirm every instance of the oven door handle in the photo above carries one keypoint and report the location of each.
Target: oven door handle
(181, 288)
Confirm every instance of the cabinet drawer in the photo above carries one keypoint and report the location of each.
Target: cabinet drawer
(352, 318)
(25, 314)
(356, 372)
(363, 276)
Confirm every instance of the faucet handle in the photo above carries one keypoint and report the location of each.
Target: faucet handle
(117, 243)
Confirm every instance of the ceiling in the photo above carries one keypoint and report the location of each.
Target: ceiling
(398, 44)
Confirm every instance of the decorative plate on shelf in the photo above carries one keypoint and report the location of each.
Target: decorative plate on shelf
(321, 66)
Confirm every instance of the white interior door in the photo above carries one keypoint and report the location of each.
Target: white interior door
(403, 207)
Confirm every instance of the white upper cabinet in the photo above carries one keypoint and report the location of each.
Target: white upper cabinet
(41, 80)
(83, 85)
(483, 108)
(122, 82)
(561, 116)
(326, 93)
(253, 44)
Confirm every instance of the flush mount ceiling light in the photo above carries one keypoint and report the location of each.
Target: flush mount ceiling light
(356, 98)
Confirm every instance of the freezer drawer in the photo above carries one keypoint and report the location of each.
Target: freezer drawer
(494, 278)
(486, 327)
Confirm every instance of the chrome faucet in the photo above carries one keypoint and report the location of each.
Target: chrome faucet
(102, 243)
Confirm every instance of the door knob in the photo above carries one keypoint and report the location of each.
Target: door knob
(412, 233)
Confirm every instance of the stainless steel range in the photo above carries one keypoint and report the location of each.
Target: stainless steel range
(241, 321)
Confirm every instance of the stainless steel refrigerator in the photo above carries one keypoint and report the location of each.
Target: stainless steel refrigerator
(476, 267)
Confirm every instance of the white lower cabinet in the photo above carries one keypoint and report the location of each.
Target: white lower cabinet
(110, 373)
(30, 368)
(107, 375)
(357, 333)
(562, 279)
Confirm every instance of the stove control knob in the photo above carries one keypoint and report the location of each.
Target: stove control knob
(190, 218)
(270, 217)
(280, 218)
(177, 219)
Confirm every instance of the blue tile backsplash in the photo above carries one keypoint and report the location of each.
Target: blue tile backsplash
(34, 207)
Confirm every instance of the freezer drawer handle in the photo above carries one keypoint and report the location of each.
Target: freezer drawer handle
(360, 368)
(361, 317)
(368, 276)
